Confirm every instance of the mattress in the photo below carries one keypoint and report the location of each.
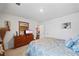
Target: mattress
(49, 47)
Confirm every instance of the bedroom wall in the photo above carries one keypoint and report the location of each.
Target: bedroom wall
(53, 28)
(14, 27)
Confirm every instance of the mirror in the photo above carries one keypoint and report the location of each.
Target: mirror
(22, 27)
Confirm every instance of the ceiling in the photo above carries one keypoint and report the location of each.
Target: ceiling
(32, 10)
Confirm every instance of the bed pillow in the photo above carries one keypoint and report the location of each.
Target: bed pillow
(76, 38)
(75, 48)
(69, 43)
(73, 41)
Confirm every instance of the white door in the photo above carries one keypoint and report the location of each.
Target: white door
(41, 31)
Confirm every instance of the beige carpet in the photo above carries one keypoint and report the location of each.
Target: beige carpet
(16, 52)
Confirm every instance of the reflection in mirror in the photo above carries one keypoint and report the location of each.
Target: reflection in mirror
(23, 26)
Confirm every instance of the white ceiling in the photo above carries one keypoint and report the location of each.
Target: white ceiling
(2, 7)
(32, 10)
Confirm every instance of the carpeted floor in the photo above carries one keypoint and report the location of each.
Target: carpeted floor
(16, 52)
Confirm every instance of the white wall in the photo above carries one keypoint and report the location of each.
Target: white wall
(53, 28)
(14, 20)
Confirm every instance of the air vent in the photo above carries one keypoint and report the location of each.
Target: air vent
(18, 4)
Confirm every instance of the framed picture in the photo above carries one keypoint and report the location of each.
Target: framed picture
(66, 25)
(22, 27)
(7, 24)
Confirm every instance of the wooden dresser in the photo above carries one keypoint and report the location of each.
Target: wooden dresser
(22, 40)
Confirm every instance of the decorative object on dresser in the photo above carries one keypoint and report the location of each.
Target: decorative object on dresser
(22, 40)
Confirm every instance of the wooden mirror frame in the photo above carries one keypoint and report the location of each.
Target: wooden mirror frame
(23, 26)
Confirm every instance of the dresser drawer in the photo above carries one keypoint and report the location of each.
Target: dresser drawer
(22, 40)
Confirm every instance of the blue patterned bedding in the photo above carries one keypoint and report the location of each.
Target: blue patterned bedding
(49, 47)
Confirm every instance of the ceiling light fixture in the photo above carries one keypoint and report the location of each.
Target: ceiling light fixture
(41, 10)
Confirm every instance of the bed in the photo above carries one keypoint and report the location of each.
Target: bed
(49, 47)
